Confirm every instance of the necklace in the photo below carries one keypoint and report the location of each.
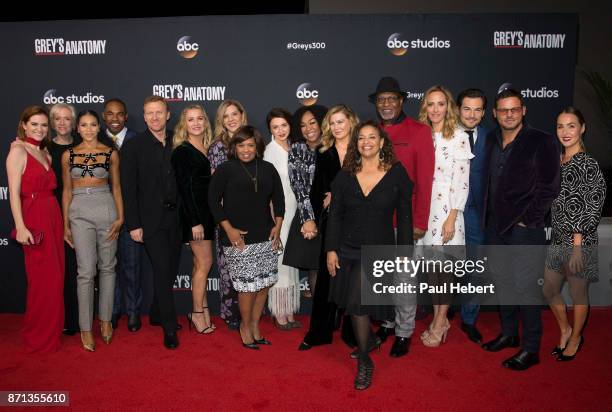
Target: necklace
(253, 178)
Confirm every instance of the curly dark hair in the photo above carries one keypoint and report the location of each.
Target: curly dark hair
(352, 161)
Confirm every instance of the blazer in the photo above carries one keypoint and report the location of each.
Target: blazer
(529, 182)
(141, 182)
(477, 173)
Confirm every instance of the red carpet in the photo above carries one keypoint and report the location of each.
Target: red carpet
(213, 372)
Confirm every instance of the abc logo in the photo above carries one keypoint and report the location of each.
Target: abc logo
(187, 48)
(504, 86)
(50, 98)
(306, 94)
(396, 46)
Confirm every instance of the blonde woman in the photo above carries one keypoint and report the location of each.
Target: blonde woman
(192, 137)
(229, 118)
(337, 127)
(449, 192)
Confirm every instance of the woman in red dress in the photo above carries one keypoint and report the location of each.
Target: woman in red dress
(38, 224)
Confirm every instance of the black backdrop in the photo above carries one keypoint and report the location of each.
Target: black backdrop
(268, 61)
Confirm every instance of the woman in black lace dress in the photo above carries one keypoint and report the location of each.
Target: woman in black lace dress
(575, 216)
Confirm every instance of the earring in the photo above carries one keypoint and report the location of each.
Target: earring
(381, 156)
(359, 160)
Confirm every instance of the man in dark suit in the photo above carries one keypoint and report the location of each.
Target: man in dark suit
(128, 252)
(150, 197)
(472, 104)
(523, 180)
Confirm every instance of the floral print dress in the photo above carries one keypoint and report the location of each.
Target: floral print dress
(450, 187)
(228, 307)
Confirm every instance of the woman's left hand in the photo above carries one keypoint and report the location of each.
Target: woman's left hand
(448, 229)
(575, 261)
(113, 232)
(327, 200)
(275, 237)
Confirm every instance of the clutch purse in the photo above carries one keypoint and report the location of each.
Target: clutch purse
(37, 235)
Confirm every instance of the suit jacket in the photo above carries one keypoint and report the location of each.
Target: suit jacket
(529, 182)
(476, 195)
(128, 135)
(141, 182)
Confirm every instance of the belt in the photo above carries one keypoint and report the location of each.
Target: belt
(34, 195)
(90, 190)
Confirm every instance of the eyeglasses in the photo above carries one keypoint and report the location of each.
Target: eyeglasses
(513, 110)
(390, 99)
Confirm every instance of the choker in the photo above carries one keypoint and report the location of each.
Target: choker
(33, 141)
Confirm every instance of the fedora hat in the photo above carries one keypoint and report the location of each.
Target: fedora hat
(387, 85)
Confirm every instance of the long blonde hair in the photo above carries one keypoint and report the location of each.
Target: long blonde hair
(180, 131)
(221, 132)
(451, 118)
(328, 139)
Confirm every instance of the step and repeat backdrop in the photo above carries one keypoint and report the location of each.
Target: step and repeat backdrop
(265, 62)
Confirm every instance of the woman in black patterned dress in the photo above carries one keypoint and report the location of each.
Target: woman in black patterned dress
(576, 214)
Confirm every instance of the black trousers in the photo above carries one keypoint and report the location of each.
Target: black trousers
(518, 269)
(71, 303)
(164, 249)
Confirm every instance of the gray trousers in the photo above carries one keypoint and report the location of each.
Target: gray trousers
(91, 213)
(405, 307)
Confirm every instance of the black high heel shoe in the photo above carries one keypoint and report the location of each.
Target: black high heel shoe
(210, 328)
(250, 345)
(567, 358)
(262, 341)
(365, 370)
(558, 350)
(304, 346)
(374, 344)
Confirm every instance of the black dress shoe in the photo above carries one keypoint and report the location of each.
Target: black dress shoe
(115, 320)
(383, 333)
(69, 332)
(472, 333)
(134, 323)
(521, 361)
(501, 342)
(400, 347)
(171, 340)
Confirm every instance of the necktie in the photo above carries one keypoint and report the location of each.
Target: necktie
(470, 134)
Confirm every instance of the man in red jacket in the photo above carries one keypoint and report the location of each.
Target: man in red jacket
(413, 147)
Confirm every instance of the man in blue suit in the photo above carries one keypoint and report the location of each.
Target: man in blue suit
(472, 104)
(128, 252)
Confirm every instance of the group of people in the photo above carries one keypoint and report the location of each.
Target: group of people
(324, 186)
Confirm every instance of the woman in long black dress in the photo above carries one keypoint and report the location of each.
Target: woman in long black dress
(338, 124)
(576, 213)
(239, 198)
(369, 189)
(63, 122)
(192, 136)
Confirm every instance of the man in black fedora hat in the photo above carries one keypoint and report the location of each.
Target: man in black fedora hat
(413, 147)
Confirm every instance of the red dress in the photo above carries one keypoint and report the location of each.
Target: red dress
(44, 263)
